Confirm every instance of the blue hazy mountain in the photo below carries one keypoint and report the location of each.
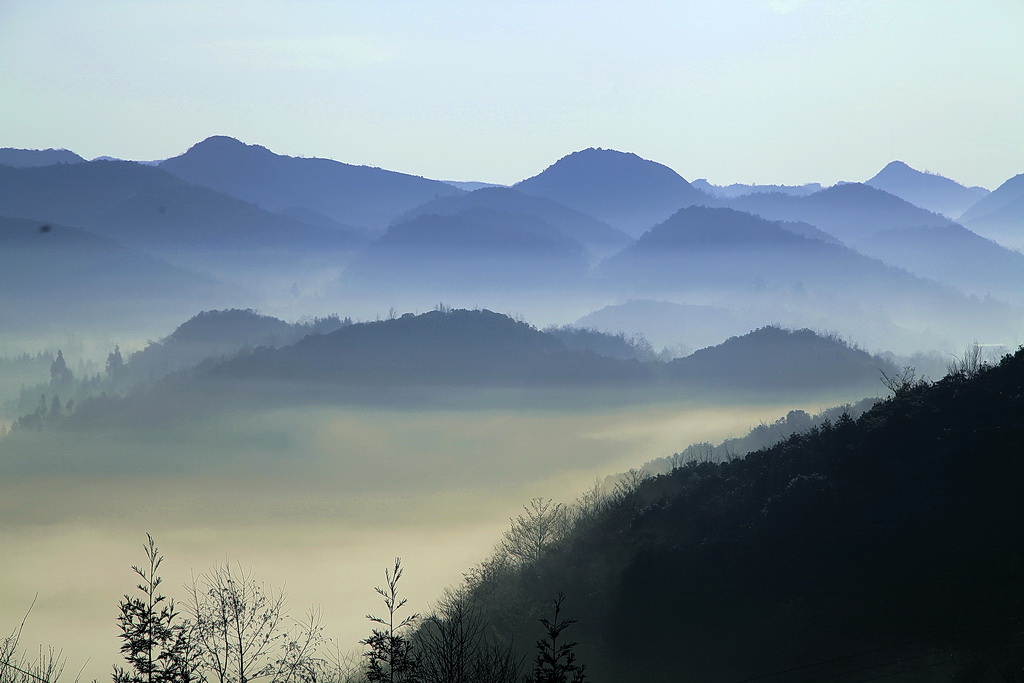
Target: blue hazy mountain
(454, 355)
(359, 196)
(27, 158)
(219, 334)
(755, 267)
(475, 248)
(927, 190)
(676, 326)
(445, 348)
(1000, 215)
(481, 347)
(620, 188)
(144, 206)
(780, 358)
(739, 189)
(954, 255)
(54, 276)
(597, 236)
(850, 211)
(701, 247)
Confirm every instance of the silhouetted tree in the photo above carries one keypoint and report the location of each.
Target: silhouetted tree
(967, 365)
(455, 647)
(392, 656)
(60, 375)
(153, 644)
(533, 532)
(15, 667)
(556, 662)
(116, 367)
(239, 631)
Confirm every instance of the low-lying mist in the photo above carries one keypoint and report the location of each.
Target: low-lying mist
(316, 501)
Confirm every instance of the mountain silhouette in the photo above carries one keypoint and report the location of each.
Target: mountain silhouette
(457, 347)
(620, 188)
(773, 358)
(27, 158)
(360, 196)
(144, 206)
(717, 247)
(954, 255)
(850, 211)
(906, 521)
(764, 273)
(926, 190)
(53, 276)
(217, 334)
(597, 236)
(1000, 215)
(476, 247)
(681, 327)
(452, 356)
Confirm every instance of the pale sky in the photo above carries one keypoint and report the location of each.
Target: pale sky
(765, 91)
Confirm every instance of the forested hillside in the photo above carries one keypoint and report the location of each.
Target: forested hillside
(891, 545)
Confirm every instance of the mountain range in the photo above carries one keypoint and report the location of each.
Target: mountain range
(301, 232)
(1000, 215)
(146, 207)
(361, 196)
(224, 360)
(850, 211)
(597, 236)
(926, 190)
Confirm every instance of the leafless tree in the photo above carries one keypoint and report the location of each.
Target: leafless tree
(902, 381)
(16, 667)
(242, 632)
(969, 364)
(541, 525)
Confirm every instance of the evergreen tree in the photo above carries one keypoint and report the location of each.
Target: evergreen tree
(392, 657)
(556, 663)
(60, 373)
(116, 367)
(154, 645)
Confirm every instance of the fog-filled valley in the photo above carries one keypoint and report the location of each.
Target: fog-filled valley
(704, 413)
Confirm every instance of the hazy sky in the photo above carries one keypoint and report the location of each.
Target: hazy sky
(733, 90)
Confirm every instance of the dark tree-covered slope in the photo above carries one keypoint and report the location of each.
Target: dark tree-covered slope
(227, 360)
(780, 358)
(457, 347)
(891, 546)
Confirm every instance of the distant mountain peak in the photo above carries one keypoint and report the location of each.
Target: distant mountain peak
(220, 144)
(599, 160)
(926, 189)
(621, 188)
(10, 156)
